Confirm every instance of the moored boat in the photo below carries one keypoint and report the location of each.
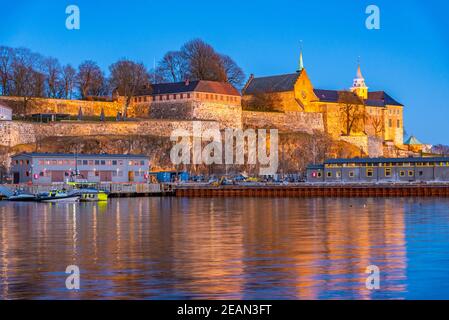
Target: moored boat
(58, 196)
(90, 195)
(20, 196)
(87, 192)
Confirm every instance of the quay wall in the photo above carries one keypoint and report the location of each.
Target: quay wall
(317, 191)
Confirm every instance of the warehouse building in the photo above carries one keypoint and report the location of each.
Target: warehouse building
(380, 170)
(46, 168)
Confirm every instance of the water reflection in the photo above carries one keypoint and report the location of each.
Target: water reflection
(167, 248)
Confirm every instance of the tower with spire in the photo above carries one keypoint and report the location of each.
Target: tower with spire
(301, 62)
(359, 87)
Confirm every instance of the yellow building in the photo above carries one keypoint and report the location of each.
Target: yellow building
(357, 110)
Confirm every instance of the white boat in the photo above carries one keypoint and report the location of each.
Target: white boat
(58, 196)
(21, 196)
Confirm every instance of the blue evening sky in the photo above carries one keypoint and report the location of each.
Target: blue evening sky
(408, 57)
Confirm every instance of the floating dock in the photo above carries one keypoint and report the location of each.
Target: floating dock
(389, 190)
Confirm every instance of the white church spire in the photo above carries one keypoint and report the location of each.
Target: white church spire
(359, 87)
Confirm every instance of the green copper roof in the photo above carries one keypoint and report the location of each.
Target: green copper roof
(413, 141)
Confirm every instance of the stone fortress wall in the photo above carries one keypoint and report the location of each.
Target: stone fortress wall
(41, 105)
(160, 120)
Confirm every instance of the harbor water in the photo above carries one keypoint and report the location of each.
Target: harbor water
(226, 248)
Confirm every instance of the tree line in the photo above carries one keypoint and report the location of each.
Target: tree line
(29, 74)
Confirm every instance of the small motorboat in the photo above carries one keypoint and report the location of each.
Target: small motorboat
(90, 194)
(20, 195)
(58, 196)
(88, 191)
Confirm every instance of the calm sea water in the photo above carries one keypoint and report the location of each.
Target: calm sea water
(234, 248)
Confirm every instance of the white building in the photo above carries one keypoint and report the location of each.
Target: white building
(5, 112)
(47, 168)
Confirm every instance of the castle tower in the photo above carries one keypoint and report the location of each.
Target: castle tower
(359, 87)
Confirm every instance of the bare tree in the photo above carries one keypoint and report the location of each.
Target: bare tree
(441, 149)
(68, 77)
(352, 111)
(6, 59)
(173, 67)
(234, 74)
(27, 78)
(377, 123)
(53, 72)
(204, 62)
(197, 60)
(90, 79)
(128, 77)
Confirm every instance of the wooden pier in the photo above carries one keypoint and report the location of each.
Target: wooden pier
(403, 190)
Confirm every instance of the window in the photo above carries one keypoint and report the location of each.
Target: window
(329, 174)
(421, 173)
(91, 162)
(85, 162)
(390, 123)
(402, 173)
(102, 162)
(351, 174)
(174, 97)
(398, 123)
(188, 96)
(387, 172)
(182, 95)
(142, 162)
(168, 97)
(319, 174)
(120, 162)
(369, 172)
(338, 174)
(114, 162)
(411, 173)
(197, 95)
(97, 173)
(97, 162)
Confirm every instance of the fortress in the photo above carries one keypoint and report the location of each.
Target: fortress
(371, 121)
